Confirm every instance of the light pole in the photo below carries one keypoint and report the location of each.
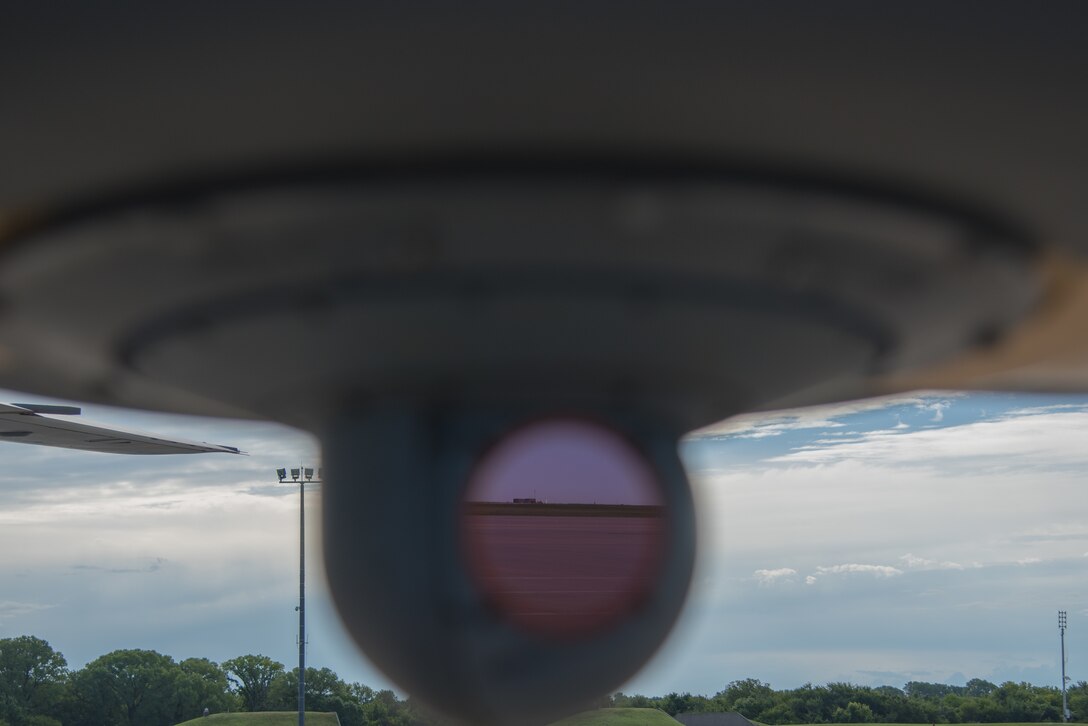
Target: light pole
(1061, 629)
(303, 476)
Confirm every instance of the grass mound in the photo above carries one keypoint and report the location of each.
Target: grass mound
(619, 717)
(263, 718)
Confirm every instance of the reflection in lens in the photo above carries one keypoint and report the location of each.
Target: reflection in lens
(563, 528)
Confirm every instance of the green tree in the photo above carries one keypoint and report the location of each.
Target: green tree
(385, 709)
(1078, 700)
(253, 677)
(979, 688)
(32, 679)
(749, 697)
(202, 684)
(674, 703)
(808, 704)
(935, 691)
(324, 691)
(777, 714)
(1023, 702)
(841, 695)
(852, 712)
(979, 709)
(134, 687)
(622, 700)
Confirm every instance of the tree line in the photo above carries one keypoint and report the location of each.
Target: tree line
(130, 687)
(146, 688)
(978, 701)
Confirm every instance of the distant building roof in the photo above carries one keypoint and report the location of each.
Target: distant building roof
(730, 718)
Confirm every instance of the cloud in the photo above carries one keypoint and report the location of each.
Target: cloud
(1053, 533)
(937, 408)
(775, 427)
(851, 568)
(769, 577)
(1037, 442)
(889, 524)
(154, 565)
(168, 504)
(865, 511)
(878, 570)
(1036, 410)
(1028, 561)
(10, 609)
(760, 425)
(922, 563)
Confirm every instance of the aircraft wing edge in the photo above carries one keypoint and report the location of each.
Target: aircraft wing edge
(21, 423)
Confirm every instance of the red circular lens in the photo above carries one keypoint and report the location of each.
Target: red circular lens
(563, 527)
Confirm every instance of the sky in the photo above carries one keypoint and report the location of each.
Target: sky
(932, 536)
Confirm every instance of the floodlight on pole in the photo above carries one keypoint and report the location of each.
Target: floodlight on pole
(303, 476)
(1062, 621)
